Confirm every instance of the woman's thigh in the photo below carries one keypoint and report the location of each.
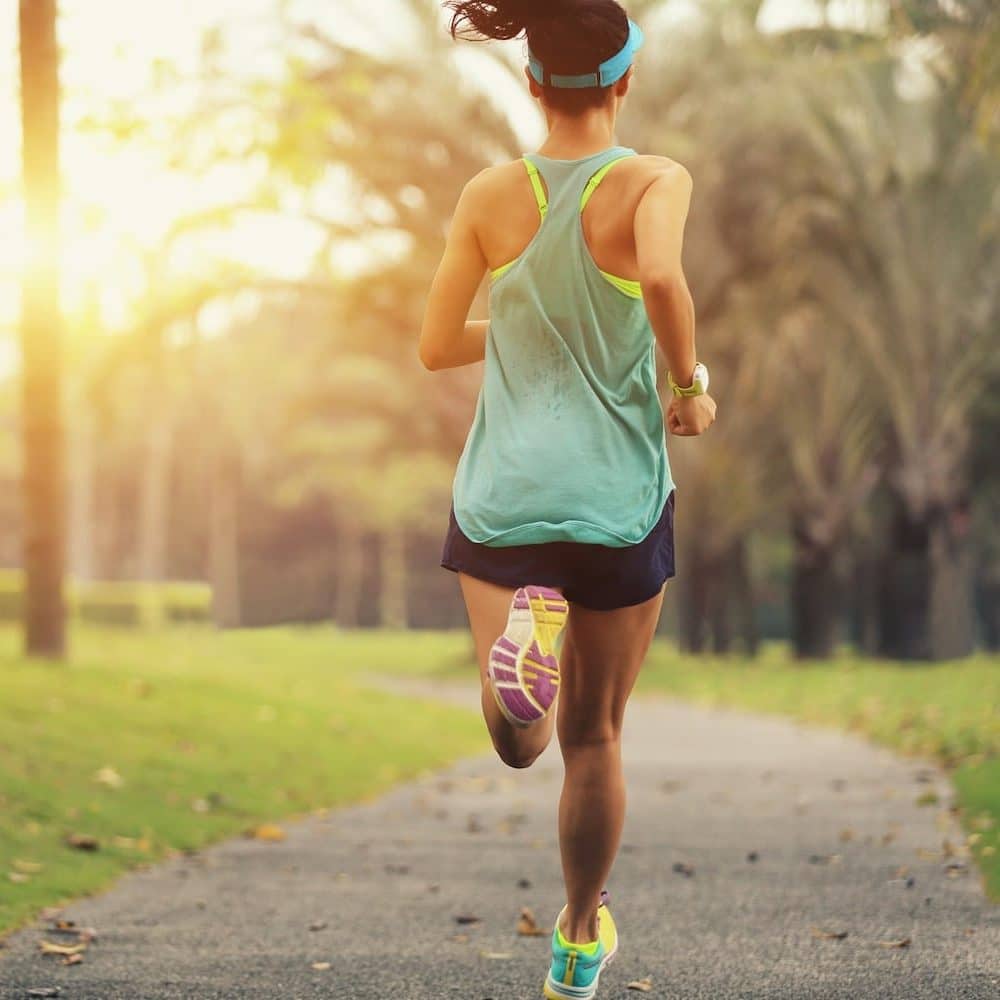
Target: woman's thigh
(600, 663)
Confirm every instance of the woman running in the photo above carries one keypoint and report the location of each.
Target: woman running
(563, 499)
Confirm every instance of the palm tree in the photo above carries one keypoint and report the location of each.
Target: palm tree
(42, 420)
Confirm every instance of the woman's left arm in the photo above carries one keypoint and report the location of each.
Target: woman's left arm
(448, 339)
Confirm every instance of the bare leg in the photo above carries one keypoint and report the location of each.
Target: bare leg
(600, 663)
(488, 606)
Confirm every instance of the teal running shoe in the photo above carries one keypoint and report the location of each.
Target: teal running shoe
(576, 968)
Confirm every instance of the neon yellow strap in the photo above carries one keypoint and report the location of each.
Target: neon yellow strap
(536, 183)
(596, 180)
(631, 288)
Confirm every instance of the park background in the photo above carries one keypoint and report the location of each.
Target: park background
(219, 430)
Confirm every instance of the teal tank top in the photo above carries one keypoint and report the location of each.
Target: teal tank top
(568, 440)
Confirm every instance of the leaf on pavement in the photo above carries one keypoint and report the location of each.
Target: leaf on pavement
(76, 959)
(270, 833)
(683, 868)
(321, 966)
(318, 925)
(466, 918)
(901, 943)
(827, 935)
(45, 991)
(48, 948)
(496, 955)
(643, 985)
(527, 926)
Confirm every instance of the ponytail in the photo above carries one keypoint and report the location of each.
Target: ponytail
(570, 37)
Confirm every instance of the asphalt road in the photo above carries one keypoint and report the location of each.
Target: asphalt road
(752, 847)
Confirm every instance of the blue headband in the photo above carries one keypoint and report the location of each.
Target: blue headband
(608, 72)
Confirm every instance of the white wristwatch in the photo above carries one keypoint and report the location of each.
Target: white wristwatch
(698, 386)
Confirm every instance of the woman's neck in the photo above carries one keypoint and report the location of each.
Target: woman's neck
(579, 136)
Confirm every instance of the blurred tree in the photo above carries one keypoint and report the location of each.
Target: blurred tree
(42, 417)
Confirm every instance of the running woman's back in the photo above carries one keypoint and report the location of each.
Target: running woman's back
(568, 440)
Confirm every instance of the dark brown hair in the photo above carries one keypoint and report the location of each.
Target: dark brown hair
(569, 37)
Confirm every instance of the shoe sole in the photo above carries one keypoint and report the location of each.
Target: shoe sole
(523, 667)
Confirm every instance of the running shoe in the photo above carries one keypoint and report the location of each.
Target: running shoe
(523, 666)
(576, 968)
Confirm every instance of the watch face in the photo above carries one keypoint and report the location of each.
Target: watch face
(701, 376)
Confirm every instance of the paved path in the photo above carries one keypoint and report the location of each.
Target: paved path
(829, 820)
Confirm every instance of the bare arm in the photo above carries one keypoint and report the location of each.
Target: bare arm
(659, 237)
(448, 339)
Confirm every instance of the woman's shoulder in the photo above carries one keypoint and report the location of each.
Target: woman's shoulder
(655, 166)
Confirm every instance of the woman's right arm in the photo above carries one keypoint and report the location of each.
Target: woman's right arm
(659, 239)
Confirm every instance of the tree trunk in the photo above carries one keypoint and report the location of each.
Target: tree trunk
(350, 570)
(393, 610)
(815, 597)
(223, 542)
(82, 495)
(44, 485)
(693, 604)
(719, 605)
(951, 624)
(744, 599)
(904, 601)
(154, 497)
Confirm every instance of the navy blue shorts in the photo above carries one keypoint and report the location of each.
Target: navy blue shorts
(598, 577)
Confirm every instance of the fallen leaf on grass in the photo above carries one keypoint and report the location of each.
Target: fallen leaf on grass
(321, 966)
(18, 878)
(48, 948)
(27, 867)
(643, 985)
(109, 777)
(269, 832)
(826, 935)
(527, 926)
(901, 943)
(83, 842)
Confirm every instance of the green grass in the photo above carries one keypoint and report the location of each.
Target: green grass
(210, 734)
(947, 711)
